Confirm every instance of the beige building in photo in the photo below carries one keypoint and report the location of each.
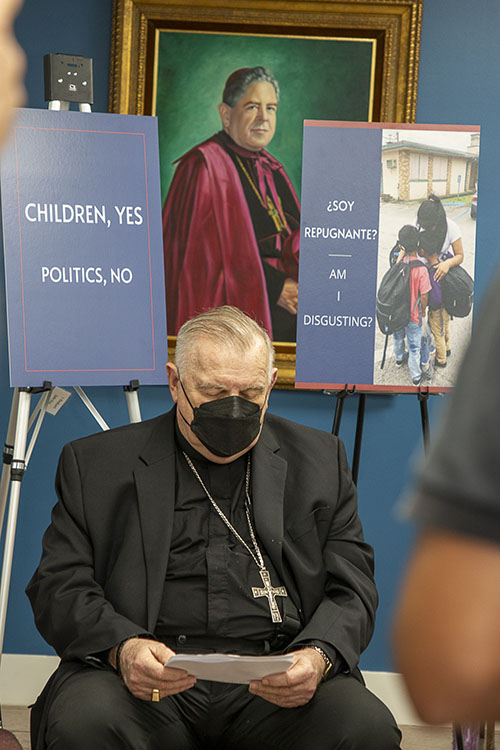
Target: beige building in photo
(411, 171)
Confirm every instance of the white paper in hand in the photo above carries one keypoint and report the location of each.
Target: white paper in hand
(230, 667)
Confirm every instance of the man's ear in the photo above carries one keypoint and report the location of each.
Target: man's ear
(225, 114)
(274, 376)
(173, 380)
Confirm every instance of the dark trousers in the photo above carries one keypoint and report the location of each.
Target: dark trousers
(93, 709)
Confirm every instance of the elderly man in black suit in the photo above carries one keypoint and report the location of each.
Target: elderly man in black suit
(215, 527)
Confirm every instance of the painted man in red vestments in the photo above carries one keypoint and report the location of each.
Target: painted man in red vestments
(231, 217)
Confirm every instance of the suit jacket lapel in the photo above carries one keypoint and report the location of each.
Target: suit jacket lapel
(155, 482)
(268, 488)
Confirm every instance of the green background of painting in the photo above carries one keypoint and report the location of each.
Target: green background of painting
(319, 80)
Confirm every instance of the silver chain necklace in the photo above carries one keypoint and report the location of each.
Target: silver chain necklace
(268, 590)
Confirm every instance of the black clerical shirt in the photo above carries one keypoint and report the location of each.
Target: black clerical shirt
(210, 574)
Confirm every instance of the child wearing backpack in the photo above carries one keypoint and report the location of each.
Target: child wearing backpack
(420, 287)
(439, 319)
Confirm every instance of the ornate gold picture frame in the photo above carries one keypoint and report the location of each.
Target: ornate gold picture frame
(391, 26)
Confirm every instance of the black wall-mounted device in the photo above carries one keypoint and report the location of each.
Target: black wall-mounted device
(68, 78)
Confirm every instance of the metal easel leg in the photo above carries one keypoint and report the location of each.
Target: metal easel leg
(423, 397)
(90, 406)
(8, 452)
(359, 435)
(339, 406)
(18, 424)
(132, 404)
(341, 396)
(17, 472)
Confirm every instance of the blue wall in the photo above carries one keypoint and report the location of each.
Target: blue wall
(459, 83)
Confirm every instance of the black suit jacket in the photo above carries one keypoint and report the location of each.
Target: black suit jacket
(105, 554)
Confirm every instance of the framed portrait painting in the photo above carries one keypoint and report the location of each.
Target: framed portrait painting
(327, 60)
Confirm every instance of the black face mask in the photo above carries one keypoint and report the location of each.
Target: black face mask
(225, 425)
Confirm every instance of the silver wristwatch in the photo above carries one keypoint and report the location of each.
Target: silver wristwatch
(326, 659)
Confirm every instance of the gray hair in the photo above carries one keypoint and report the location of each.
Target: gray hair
(239, 81)
(227, 326)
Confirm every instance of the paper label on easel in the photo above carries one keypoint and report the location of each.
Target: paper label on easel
(58, 398)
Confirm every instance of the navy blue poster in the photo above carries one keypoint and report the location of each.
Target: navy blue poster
(83, 249)
(362, 183)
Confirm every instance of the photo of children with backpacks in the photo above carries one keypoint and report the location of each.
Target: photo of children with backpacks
(417, 339)
(429, 178)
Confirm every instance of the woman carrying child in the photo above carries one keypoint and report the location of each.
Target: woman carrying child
(431, 217)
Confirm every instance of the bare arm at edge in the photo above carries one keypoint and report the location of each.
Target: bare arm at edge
(447, 628)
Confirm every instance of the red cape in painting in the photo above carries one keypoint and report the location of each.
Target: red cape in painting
(211, 254)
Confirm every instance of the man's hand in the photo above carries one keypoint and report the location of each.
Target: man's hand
(141, 664)
(297, 685)
(289, 296)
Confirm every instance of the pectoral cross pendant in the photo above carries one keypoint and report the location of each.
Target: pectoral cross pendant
(275, 215)
(271, 592)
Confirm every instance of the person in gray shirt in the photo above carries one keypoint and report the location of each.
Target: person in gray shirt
(447, 630)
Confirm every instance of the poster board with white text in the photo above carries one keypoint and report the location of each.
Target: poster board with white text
(361, 183)
(83, 249)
